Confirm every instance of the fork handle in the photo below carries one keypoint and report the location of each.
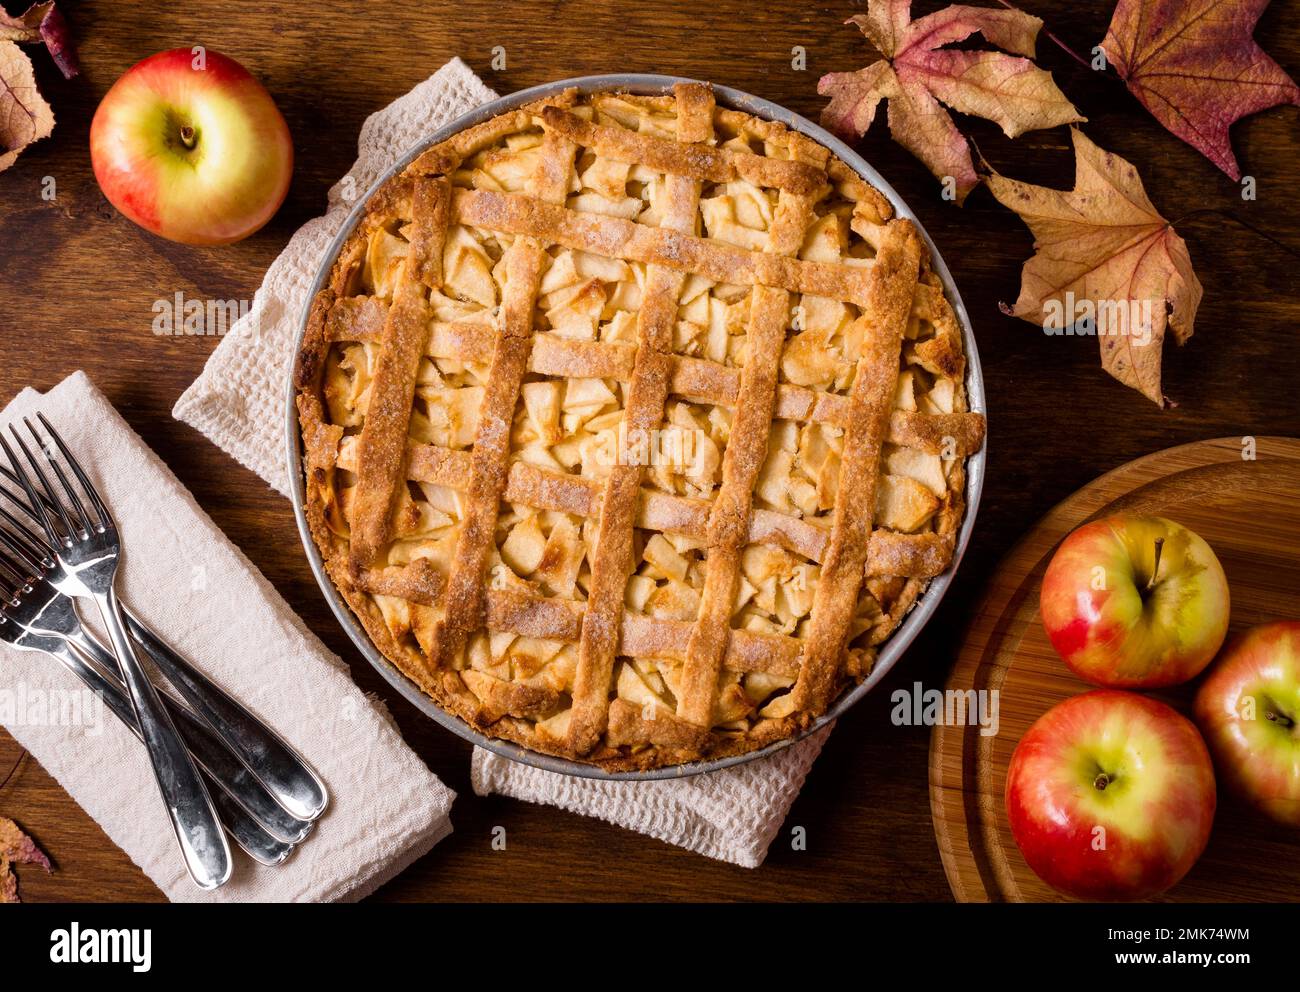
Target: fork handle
(208, 750)
(247, 832)
(273, 762)
(202, 841)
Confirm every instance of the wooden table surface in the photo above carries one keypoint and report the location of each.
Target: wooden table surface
(78, 281)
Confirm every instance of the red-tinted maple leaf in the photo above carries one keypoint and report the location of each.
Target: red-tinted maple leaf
(916, 75)
(1195, 65)
(43, 22)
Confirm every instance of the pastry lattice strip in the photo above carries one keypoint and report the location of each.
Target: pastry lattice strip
(614, 561)
(490, 455)
(890, 553)
(731, 512)
(958, 434)
(894, 278)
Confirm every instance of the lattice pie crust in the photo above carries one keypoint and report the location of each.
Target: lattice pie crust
(632, 426)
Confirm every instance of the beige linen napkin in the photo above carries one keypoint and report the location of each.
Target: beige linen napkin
(188, 582)
(238, 402)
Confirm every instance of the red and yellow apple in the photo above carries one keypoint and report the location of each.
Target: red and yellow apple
(1135, 601)
(1110, 796)
(1249, 710)
(190, 146)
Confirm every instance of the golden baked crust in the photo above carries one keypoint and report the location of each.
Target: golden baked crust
(632, 425)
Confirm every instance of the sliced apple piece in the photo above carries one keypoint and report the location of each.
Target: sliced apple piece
(542, 401)
(903, 504)
(524, 546)
(663, 556)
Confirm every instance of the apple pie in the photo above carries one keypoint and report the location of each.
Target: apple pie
(632, 426)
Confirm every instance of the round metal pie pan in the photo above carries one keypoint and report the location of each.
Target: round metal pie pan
(892, 649)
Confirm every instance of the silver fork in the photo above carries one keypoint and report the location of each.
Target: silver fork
(88, 552)
(29, 604)
(36, 616)
(270, 759)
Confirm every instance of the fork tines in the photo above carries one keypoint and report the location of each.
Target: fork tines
(38, 507)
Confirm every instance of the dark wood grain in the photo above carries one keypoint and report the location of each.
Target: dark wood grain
(77, 283)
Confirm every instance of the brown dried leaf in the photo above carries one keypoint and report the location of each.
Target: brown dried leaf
(43, 22)
(24, 115)
(917, 76)
(26, 27)
(16, 848)
(1103, 245)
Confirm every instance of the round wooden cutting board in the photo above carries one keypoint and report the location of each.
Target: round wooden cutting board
(1249, 512)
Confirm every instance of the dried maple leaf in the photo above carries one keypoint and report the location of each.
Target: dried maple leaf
(16, 848)
(43, 22)
(24, 115)
(915, 75)
(1195, 65)
(1104, 255)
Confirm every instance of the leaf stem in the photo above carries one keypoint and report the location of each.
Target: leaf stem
(13, 771)
(1244, 223)
(1062, 45)
(1155, 569)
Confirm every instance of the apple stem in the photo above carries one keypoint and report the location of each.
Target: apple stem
(1151, 582)
(187, 136)
(1100, 782)
(1278, 718)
